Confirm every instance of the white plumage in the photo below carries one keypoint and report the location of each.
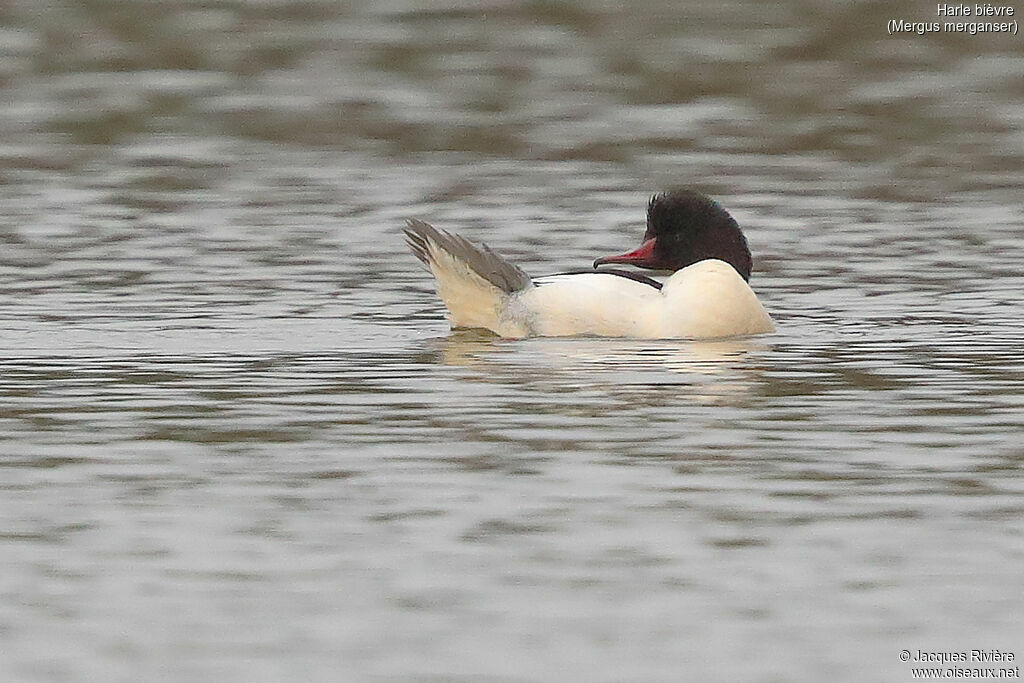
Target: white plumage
(706, 297)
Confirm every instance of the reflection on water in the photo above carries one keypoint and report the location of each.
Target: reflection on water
(240, 443)
(706, 371)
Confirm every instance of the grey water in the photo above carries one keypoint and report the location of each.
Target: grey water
(238, 441)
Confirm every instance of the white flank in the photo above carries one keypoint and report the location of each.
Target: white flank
(706, 300)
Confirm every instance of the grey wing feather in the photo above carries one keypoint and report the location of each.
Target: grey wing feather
(481, 259)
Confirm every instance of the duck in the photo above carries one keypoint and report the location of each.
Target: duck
(689, 237)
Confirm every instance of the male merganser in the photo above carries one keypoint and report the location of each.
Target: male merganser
(687, 233)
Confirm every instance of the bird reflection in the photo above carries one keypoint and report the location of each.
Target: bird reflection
(709, 370)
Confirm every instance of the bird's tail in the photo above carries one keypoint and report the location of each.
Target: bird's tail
(473, 282)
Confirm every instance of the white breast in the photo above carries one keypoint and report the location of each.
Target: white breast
(710, 299)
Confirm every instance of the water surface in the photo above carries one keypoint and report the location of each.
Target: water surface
(239, 441)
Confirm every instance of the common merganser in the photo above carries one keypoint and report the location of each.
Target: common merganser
(687, 233)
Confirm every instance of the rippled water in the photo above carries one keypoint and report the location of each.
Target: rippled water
(239, 442)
